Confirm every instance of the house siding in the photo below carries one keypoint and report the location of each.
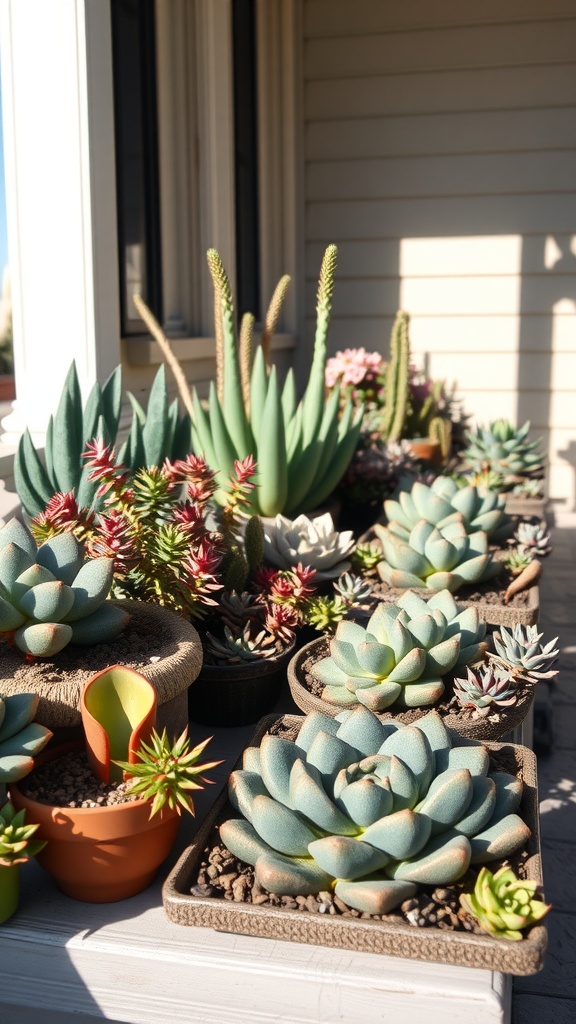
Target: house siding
(440, 155)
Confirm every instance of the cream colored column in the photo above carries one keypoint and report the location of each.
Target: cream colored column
(56, 63)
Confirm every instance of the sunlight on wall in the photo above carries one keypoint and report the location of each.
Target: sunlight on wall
(463, 295)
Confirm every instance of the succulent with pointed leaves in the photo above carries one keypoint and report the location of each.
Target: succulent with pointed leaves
(533, 538)
(324, 613)
(167, 773)
(243, 646)
(529, 488)
(521, 654)
(21, 738)
(436, 558)
(51, 596)
(503, 904)
(366, 556)
(16, 843)
(400, 657)
(485, 690)
(352, 589)
(311, 542)
(371, 809)
(443, 503)
(504, 448)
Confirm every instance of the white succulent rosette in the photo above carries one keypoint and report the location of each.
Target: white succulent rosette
(311, 542)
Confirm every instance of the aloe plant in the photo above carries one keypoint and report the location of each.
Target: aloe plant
(51, 596)
(21, 738)
(371, 809)
(436, 558)
(302, 448)
(444, 503)
(155, 434)
(402, 654)
(503, 904)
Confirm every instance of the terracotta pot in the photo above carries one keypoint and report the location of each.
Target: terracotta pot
(425, 449)
(389, 936)
(238, 694)
(174, 645)
(99, 854)
(118, 708)
(472, 728)
(9, 890)
(7, 387)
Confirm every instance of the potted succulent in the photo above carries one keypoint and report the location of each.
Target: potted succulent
(366, 818)
(16, 847)
(503, 456)
(107, 844)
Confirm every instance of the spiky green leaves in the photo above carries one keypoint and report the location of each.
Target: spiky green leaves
(16, 843)
(50, 596)
(167, 772)
(402, 654)
(369, 808)
(504, 905)
(502, 448)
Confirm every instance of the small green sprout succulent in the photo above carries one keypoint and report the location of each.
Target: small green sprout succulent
(436, 558)
(167, 772)
(444, 503)
(325, 613)
(517, 560)
(366, 556)
(16, 843)
(51, 596)
(521, 654)
(21, 738)
(504, 905)
(370, 809)
(400, 657)
(485, 690)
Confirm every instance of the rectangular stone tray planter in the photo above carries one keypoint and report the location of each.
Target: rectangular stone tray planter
(516, 505)
(393, 939)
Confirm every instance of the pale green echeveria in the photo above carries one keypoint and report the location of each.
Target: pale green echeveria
(370, 808)
(504, 905)
(437, 558)
(311, 542)
(51, 596)
(503, 447)
(400, 657)
(443, 503)
(21, 738)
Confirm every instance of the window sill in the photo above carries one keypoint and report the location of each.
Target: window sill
(143, 351)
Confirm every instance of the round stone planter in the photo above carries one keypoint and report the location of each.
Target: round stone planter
(490, 728)
(162, 646)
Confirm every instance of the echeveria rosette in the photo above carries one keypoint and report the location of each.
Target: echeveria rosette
(310, 542)
(485, 690)
(400, 657)
(505, 448)
(21, 738)
(504, 905)
(520, 653)
(51, 596)
(442, 503)
(371, 809)
(435, 558)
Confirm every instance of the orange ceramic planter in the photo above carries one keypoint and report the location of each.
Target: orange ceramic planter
(100, 854)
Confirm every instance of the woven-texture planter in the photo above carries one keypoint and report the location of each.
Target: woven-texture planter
(174, 661)
(462, 948)
(473, 728)
(516, 505)
(238, 693)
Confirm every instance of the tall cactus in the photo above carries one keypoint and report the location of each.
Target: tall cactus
(397, 377)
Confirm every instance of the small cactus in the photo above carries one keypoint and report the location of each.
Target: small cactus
(504, 905)
(485, 690)
(51, 596)
(520, 653)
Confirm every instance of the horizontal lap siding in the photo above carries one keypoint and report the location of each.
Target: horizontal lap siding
(440, 155)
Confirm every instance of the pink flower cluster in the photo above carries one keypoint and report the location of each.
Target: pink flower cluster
(353, 366)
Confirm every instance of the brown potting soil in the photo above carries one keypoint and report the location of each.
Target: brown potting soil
(491, 591)
(134, 646)
(68, 782)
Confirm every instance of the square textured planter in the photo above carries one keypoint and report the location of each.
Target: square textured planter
(516, 505)
(375, 936)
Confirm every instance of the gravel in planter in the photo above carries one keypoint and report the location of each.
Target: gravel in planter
(69, 782)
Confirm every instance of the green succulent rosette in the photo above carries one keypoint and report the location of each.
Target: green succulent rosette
(443, 503)
(370, 809)
(400, 657)
(437, 558)
(503, 904)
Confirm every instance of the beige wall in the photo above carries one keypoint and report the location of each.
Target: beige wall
(440, 155)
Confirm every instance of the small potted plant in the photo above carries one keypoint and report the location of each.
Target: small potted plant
(106, 837)
(16, 848)
(502, 456)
